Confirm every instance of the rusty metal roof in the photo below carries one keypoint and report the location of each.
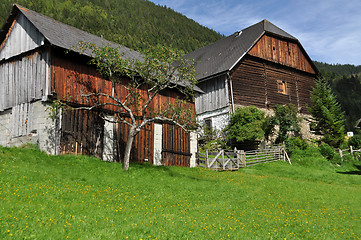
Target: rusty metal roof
(221, 56)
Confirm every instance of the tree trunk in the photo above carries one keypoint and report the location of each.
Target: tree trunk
(128, 147)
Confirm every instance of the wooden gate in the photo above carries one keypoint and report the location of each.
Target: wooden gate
(175, 146)
(223, 160)
(82, 132)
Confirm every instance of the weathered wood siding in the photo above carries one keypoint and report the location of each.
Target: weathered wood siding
(281, 51)
(73, 77)
(22, 37)
(143, 145)
(176, 146)
(215, 96)
(25, 78)
(22, 119)
(82, 133)
(255, 83)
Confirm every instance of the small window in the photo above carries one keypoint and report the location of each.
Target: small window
(208, 123)
(282, 87)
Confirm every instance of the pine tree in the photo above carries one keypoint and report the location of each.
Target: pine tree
(328, 118)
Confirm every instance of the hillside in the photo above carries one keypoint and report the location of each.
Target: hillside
(345, 81)
(132, 23)
(342, 69)
(78, 197)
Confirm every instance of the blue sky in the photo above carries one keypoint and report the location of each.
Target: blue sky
(329, 30)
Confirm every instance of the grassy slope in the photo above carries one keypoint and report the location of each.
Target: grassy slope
(44, 197)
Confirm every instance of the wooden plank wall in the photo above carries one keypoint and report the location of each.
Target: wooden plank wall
(281, 51)
(255, 83)
(73, 77)
(143, 145)
(82, 132)
(215, 96)
(24, 79)
(249, 86)
(21, 120)
(176, 146)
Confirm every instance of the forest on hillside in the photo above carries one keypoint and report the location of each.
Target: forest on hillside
(136, 24)
(345, 81)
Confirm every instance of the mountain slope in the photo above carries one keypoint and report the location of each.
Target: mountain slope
(132, 23)
(345, 81)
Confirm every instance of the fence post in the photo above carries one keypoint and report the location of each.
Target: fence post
(237, 157)
(242, 156)
(206, 158)
(224, 167)
(340, 151)
(351, 150)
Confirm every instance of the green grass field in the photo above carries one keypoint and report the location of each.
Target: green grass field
(77, 197)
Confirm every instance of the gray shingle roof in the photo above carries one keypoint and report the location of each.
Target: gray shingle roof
(222, 55)
(67, 37)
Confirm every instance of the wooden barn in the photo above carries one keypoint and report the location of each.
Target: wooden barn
(38, 65)
(261, 65)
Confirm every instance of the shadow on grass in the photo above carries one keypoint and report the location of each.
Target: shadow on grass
(356, 172)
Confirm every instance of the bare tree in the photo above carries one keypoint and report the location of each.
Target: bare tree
(135, 85)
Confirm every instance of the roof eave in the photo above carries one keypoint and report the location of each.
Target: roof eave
(249, 49)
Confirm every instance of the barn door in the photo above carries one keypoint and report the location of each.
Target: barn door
(175, 146)
(142, 150)
(82, 133)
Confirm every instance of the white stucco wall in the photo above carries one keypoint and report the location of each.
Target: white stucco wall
(158, 133)
(219, 117)
(108, 140)
(193, 148)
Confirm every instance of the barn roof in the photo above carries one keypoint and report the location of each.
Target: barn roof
(65, 36)
(223, 55)
(62, 35)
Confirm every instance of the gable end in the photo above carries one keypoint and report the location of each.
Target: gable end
(284, 52)
(21, 37)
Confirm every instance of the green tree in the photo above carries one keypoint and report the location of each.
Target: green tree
(146, 79)
(327, 116)
(246, 124)
(286, 119)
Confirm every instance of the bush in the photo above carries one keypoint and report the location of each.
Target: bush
(329, 153)
(246, 124)
(214, 145)
(295, 143)
(355, 141)
(286, 118)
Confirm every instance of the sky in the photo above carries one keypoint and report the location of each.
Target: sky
(329, 30)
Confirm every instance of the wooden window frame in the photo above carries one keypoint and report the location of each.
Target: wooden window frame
(282, 87)
(208, 123)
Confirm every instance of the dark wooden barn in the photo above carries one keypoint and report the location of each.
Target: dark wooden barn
(39, 65)
(261, 65)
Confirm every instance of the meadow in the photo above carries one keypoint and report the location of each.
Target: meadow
(79, 197)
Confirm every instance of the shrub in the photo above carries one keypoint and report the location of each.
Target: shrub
(286, 118)
(355, 141)
(246, 124)
(329, 153)
(295, 143)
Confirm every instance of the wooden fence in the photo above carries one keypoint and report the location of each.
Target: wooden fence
(350, 151)
(224, 160)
